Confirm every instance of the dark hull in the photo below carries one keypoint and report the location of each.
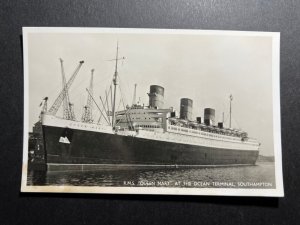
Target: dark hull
(94, 148)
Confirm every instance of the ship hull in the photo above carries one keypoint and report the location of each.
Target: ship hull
(80, 150)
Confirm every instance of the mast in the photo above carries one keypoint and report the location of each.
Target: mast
(115, 82)
(230, 100)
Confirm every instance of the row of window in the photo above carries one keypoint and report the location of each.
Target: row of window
(148, 126)
(138, 118)
(195, 132)
(217, 143)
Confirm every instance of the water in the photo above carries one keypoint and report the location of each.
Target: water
(259, 176)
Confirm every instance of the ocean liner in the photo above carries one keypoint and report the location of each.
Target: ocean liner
(137, 136)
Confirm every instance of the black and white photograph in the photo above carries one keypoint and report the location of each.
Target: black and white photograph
(151, 111)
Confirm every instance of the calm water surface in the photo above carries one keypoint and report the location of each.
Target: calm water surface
(259, 176)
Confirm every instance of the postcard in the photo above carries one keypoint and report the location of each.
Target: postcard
(151, 111)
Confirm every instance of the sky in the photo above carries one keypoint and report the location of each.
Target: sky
(206, 68)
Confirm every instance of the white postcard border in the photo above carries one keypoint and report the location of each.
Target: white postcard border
(276, 192)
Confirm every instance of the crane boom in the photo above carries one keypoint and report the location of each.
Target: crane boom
(58, 101)
(87, 116)
(67, 110)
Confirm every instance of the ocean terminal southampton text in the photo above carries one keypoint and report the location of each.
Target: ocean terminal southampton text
(200, 184)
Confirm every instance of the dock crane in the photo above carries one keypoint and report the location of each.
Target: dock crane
(63, 95)
(44, 105)
(87, 115)
(68, 112)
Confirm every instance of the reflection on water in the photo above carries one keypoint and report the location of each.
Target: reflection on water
(204, 177)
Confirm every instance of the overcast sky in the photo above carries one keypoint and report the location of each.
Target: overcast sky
(205, 68)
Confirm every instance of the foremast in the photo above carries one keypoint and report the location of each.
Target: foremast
(115, 82)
